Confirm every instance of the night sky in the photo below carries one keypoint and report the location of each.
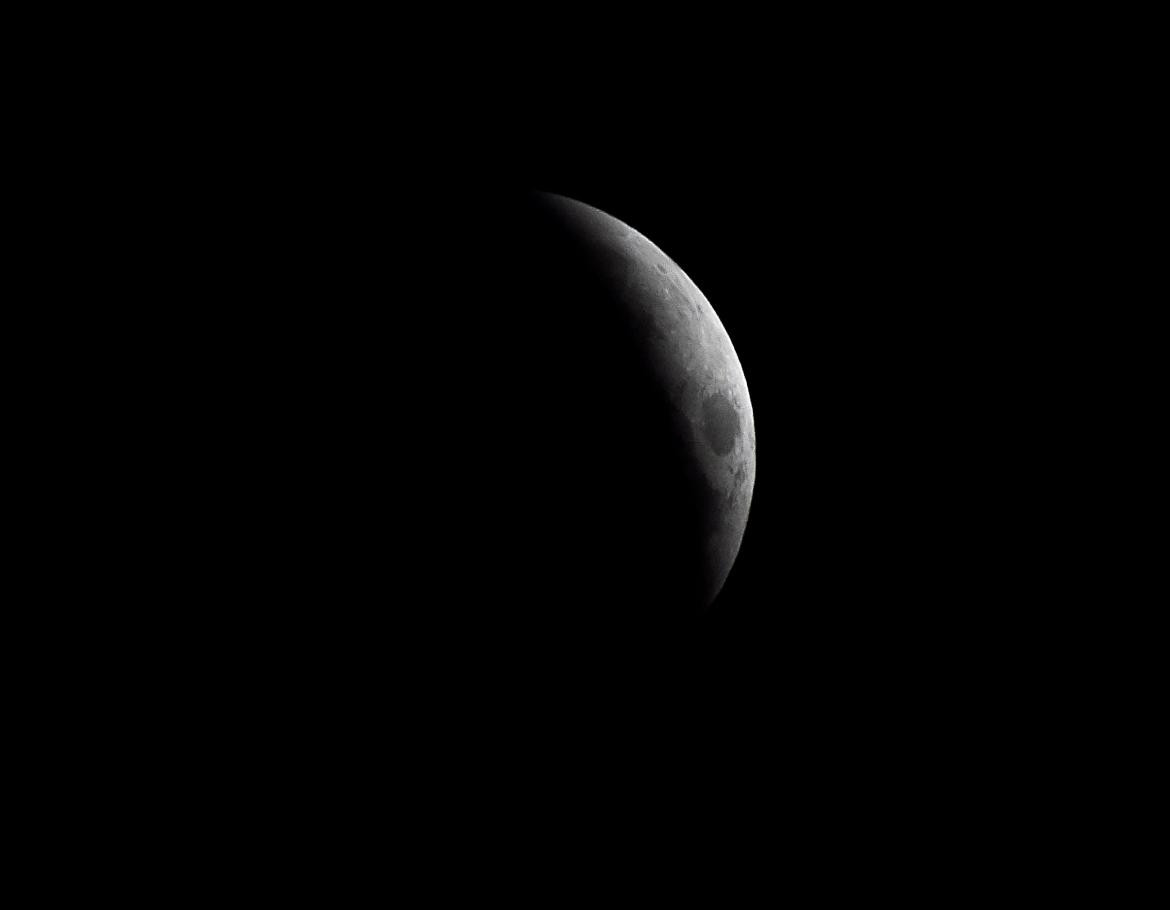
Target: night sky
(873, 319)
(344, 413)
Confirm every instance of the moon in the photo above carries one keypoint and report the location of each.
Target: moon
(690, 360)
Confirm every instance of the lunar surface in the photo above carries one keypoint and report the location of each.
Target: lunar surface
(691, 360)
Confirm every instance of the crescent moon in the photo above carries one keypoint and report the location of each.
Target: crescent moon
(693, 358)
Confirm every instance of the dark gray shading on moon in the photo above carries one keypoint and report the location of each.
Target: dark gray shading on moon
(720, 423)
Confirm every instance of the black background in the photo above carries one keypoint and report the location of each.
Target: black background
(858, 254)
(295, 381)
(874, 625)
(874, 238)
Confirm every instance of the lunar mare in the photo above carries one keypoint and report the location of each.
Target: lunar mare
(692, 358)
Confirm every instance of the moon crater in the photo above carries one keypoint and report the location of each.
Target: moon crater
(720, 423)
